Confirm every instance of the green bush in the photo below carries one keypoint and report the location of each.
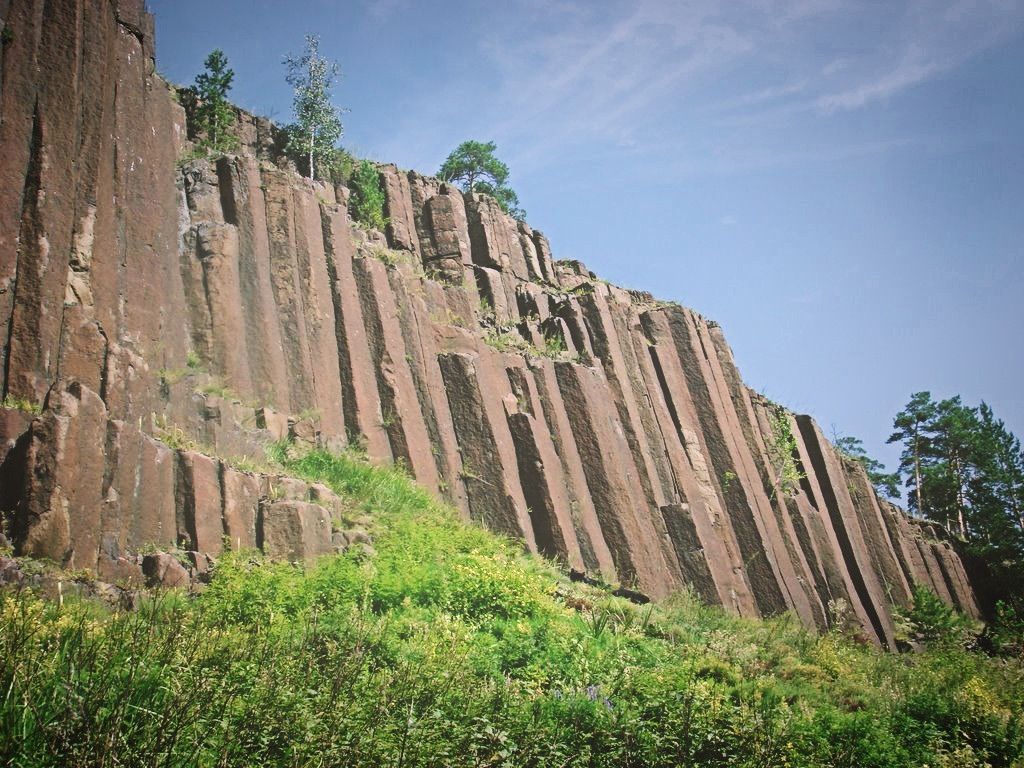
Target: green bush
(366, 203)
(929, 620)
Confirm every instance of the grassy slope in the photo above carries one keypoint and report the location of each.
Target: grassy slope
(449, 647)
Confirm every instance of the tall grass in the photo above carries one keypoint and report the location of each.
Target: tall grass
(449, 647)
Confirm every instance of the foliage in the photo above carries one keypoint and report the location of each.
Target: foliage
(317, 127)
(930, 620)
(507, 339)
(473, 166)
(1005, 633)
(885, 483)
(21, 404)
(965, 470)
(366, 203)
(214, 113)
(450, 647)
(554, 344)
(911, 428)
(782, 453)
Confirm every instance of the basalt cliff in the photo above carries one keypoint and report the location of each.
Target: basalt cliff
(165, 318)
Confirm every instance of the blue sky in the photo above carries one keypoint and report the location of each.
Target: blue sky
(839, 184)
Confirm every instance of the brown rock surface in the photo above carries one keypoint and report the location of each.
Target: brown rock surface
(59, 514)
(294, 530)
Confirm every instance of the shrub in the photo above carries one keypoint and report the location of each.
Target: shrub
(366, 203)
(929, 620)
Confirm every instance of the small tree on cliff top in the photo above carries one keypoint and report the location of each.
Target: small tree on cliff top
(215, 114)
(474, 168)
(317, 126)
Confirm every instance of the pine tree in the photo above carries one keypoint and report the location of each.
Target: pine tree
(214, 113)
(970, 469)
(995, 492)
(317, 126)
(954, 456)
(473, 166)
(911, 427)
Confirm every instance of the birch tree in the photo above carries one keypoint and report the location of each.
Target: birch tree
(317, 126)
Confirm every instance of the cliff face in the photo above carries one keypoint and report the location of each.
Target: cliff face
(220, 305)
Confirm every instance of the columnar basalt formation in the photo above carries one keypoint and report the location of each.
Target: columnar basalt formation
(167, 315)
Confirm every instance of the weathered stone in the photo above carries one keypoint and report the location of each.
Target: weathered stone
(275, 423)
(447, 248)
(494, 236)
(59, 515)
(755, 427)
(125, 572)
(164, 570)
(621, 368)
(360, 398)
(529, 249)
(294, 530)
(540, 474)
(488, 457)
(421, 354)
(626, 521)
(398, 209)
(245, 207)
(493, 292)
(14, 423)
(585, 522)
(242, 492)
(138, 492)
(677, 422)
(318, 310)
(543, 248)
(401, 417)
(200, 565)
(200, 522)
(692, 559)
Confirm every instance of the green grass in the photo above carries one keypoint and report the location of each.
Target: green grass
(450, 647)
(509, 340)
(21, 404)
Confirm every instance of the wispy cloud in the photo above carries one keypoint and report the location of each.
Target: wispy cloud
(639, 76)
(906, 74)
(383, 10)
(931, 39)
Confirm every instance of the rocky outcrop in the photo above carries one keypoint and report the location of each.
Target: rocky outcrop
(167, 317)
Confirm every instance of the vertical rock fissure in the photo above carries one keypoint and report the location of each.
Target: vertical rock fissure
(763, 583)
(29, 229)
(417, 358)
(838, 524)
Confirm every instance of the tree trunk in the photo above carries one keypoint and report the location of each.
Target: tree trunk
(312, 141)
(917, 477)
(960, 502)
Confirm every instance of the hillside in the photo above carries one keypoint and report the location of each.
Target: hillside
(442, 644)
